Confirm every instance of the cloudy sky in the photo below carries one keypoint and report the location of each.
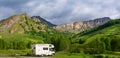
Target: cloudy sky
(62, 11)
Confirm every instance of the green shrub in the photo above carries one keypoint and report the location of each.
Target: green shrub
(76, 48)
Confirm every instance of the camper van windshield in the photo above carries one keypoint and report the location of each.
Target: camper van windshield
(51, 49)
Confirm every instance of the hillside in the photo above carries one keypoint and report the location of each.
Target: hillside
(21, 24)
(16, 31)
(79, 26)
(101, 38)
(20, 31)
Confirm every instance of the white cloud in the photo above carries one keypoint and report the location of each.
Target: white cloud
(5, 12)
(62, 11)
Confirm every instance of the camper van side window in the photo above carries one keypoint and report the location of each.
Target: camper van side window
(34, 48)
(45, 48)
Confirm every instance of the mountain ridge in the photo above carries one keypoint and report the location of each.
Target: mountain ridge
(74, 27)
(81, 25)
(43, 20)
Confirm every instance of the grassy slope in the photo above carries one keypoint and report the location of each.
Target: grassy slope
(99, 32)
(101, 39)
(105, 38)
(106, 32)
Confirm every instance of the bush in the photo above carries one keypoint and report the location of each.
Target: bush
(96, 46)
(76, 48)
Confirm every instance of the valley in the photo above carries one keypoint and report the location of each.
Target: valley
(90, 39)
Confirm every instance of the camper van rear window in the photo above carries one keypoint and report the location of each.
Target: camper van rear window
(45, 48)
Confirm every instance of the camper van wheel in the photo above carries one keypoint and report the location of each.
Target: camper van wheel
(52, 54)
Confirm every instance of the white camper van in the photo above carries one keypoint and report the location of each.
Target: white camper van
(43, 49)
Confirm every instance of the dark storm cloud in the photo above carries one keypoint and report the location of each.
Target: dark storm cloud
(62, 11)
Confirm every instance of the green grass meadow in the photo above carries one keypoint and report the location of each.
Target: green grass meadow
(72, 55)
(81, 55)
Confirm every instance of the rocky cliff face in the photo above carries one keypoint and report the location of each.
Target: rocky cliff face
(81, 26)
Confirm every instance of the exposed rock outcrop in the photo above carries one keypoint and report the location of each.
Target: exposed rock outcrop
(81, 26)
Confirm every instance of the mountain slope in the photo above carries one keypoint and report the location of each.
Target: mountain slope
(103, 37)
(19, 32)
(21, 29)
(21, 24)
(81, 26)
(16, 31)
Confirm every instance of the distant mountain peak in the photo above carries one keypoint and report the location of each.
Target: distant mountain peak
(98, 21)
(43, 20)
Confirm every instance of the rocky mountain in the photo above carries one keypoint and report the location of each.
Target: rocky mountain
(22, 23)
(76, 27)
(43, 20)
